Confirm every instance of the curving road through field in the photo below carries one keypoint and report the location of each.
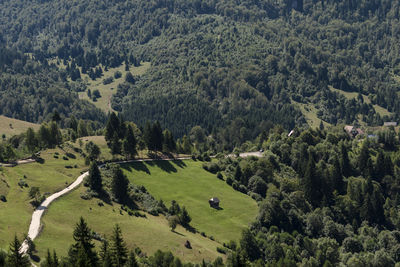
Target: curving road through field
(34, 227)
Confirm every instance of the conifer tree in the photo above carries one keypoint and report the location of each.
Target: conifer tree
(119, 184)
(336, 176)
(119, 251)
(15, 258)
(94, 178)
(31, 141)
(363, 157)
(184, 217)
(157, 136)
(129, 143)
(132, 260)
(82, 253)
(105, 255)
(309, 182)
(344, 161)
(115, 144)
(112, 127)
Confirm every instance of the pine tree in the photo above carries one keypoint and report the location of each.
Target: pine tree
(380, 166)
(31, 141)
(238, 173)
(82, 129)
(157, 136)
(119, 251)
(94, 178)
(132, 260)
(115, 144)
(309, 182)
(105, 255)
(184, 217)
(48, 261)
(147, 136)
(336, 176)
(119, 184)
(363, 157)
(344, 161)
(112, 127)
(15, 258)
(129, 143)
(82, 253)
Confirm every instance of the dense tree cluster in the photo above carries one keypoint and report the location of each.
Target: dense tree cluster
(214, 63)
(324, 199)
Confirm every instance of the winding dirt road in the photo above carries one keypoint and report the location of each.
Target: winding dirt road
(34, 227)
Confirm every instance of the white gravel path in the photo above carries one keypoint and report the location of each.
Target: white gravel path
(34, 228)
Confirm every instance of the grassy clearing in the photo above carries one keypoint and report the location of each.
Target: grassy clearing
(149, 234)
(310, 113)
(106, 91)
(192, 187)
(351, 95)
(10, 127)
(50, 176)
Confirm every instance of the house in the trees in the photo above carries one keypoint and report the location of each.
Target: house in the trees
(353, 131)
(214, 202)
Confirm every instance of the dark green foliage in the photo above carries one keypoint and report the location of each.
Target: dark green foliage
(129, 143)
(93, 150)
(15, 258)
(118, 249)
(82, 252)
(119, 184)
(132, 262)
(51, 260)
(94, 178)
(249, 246)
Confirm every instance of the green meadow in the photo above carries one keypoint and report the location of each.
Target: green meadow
(191, 186)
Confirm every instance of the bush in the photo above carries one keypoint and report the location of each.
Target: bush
(117, 74)
(22, 183)
(229, 181)
(108, 80)
(65, 158)
(221, 250)
(55, 156)
(220, 176)
(68, 167)
(211, 167)
(3, 198)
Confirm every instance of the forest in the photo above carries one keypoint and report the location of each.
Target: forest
(213, 63)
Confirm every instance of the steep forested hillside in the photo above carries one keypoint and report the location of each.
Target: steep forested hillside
(243, 64)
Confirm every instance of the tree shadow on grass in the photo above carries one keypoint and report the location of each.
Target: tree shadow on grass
(163, 165)
(175, 232)
(180, 163)
(35, 258)
(138, 166)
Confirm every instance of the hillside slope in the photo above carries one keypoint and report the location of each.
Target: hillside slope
(237, 63)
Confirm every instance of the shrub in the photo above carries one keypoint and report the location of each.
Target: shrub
(22, 183)
(221, 250)
(65, 158)
(220, 176)
(229, 181)
(117, 74)
(3, 198)
(108, 80)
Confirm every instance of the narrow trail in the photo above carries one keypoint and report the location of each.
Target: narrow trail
(34, 227)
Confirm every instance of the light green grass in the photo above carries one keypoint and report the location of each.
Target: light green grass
(192, 187)
(106, 91)
(310, 113)
(351, 95)
(149, 234)
(10, 127)
(51, 176)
